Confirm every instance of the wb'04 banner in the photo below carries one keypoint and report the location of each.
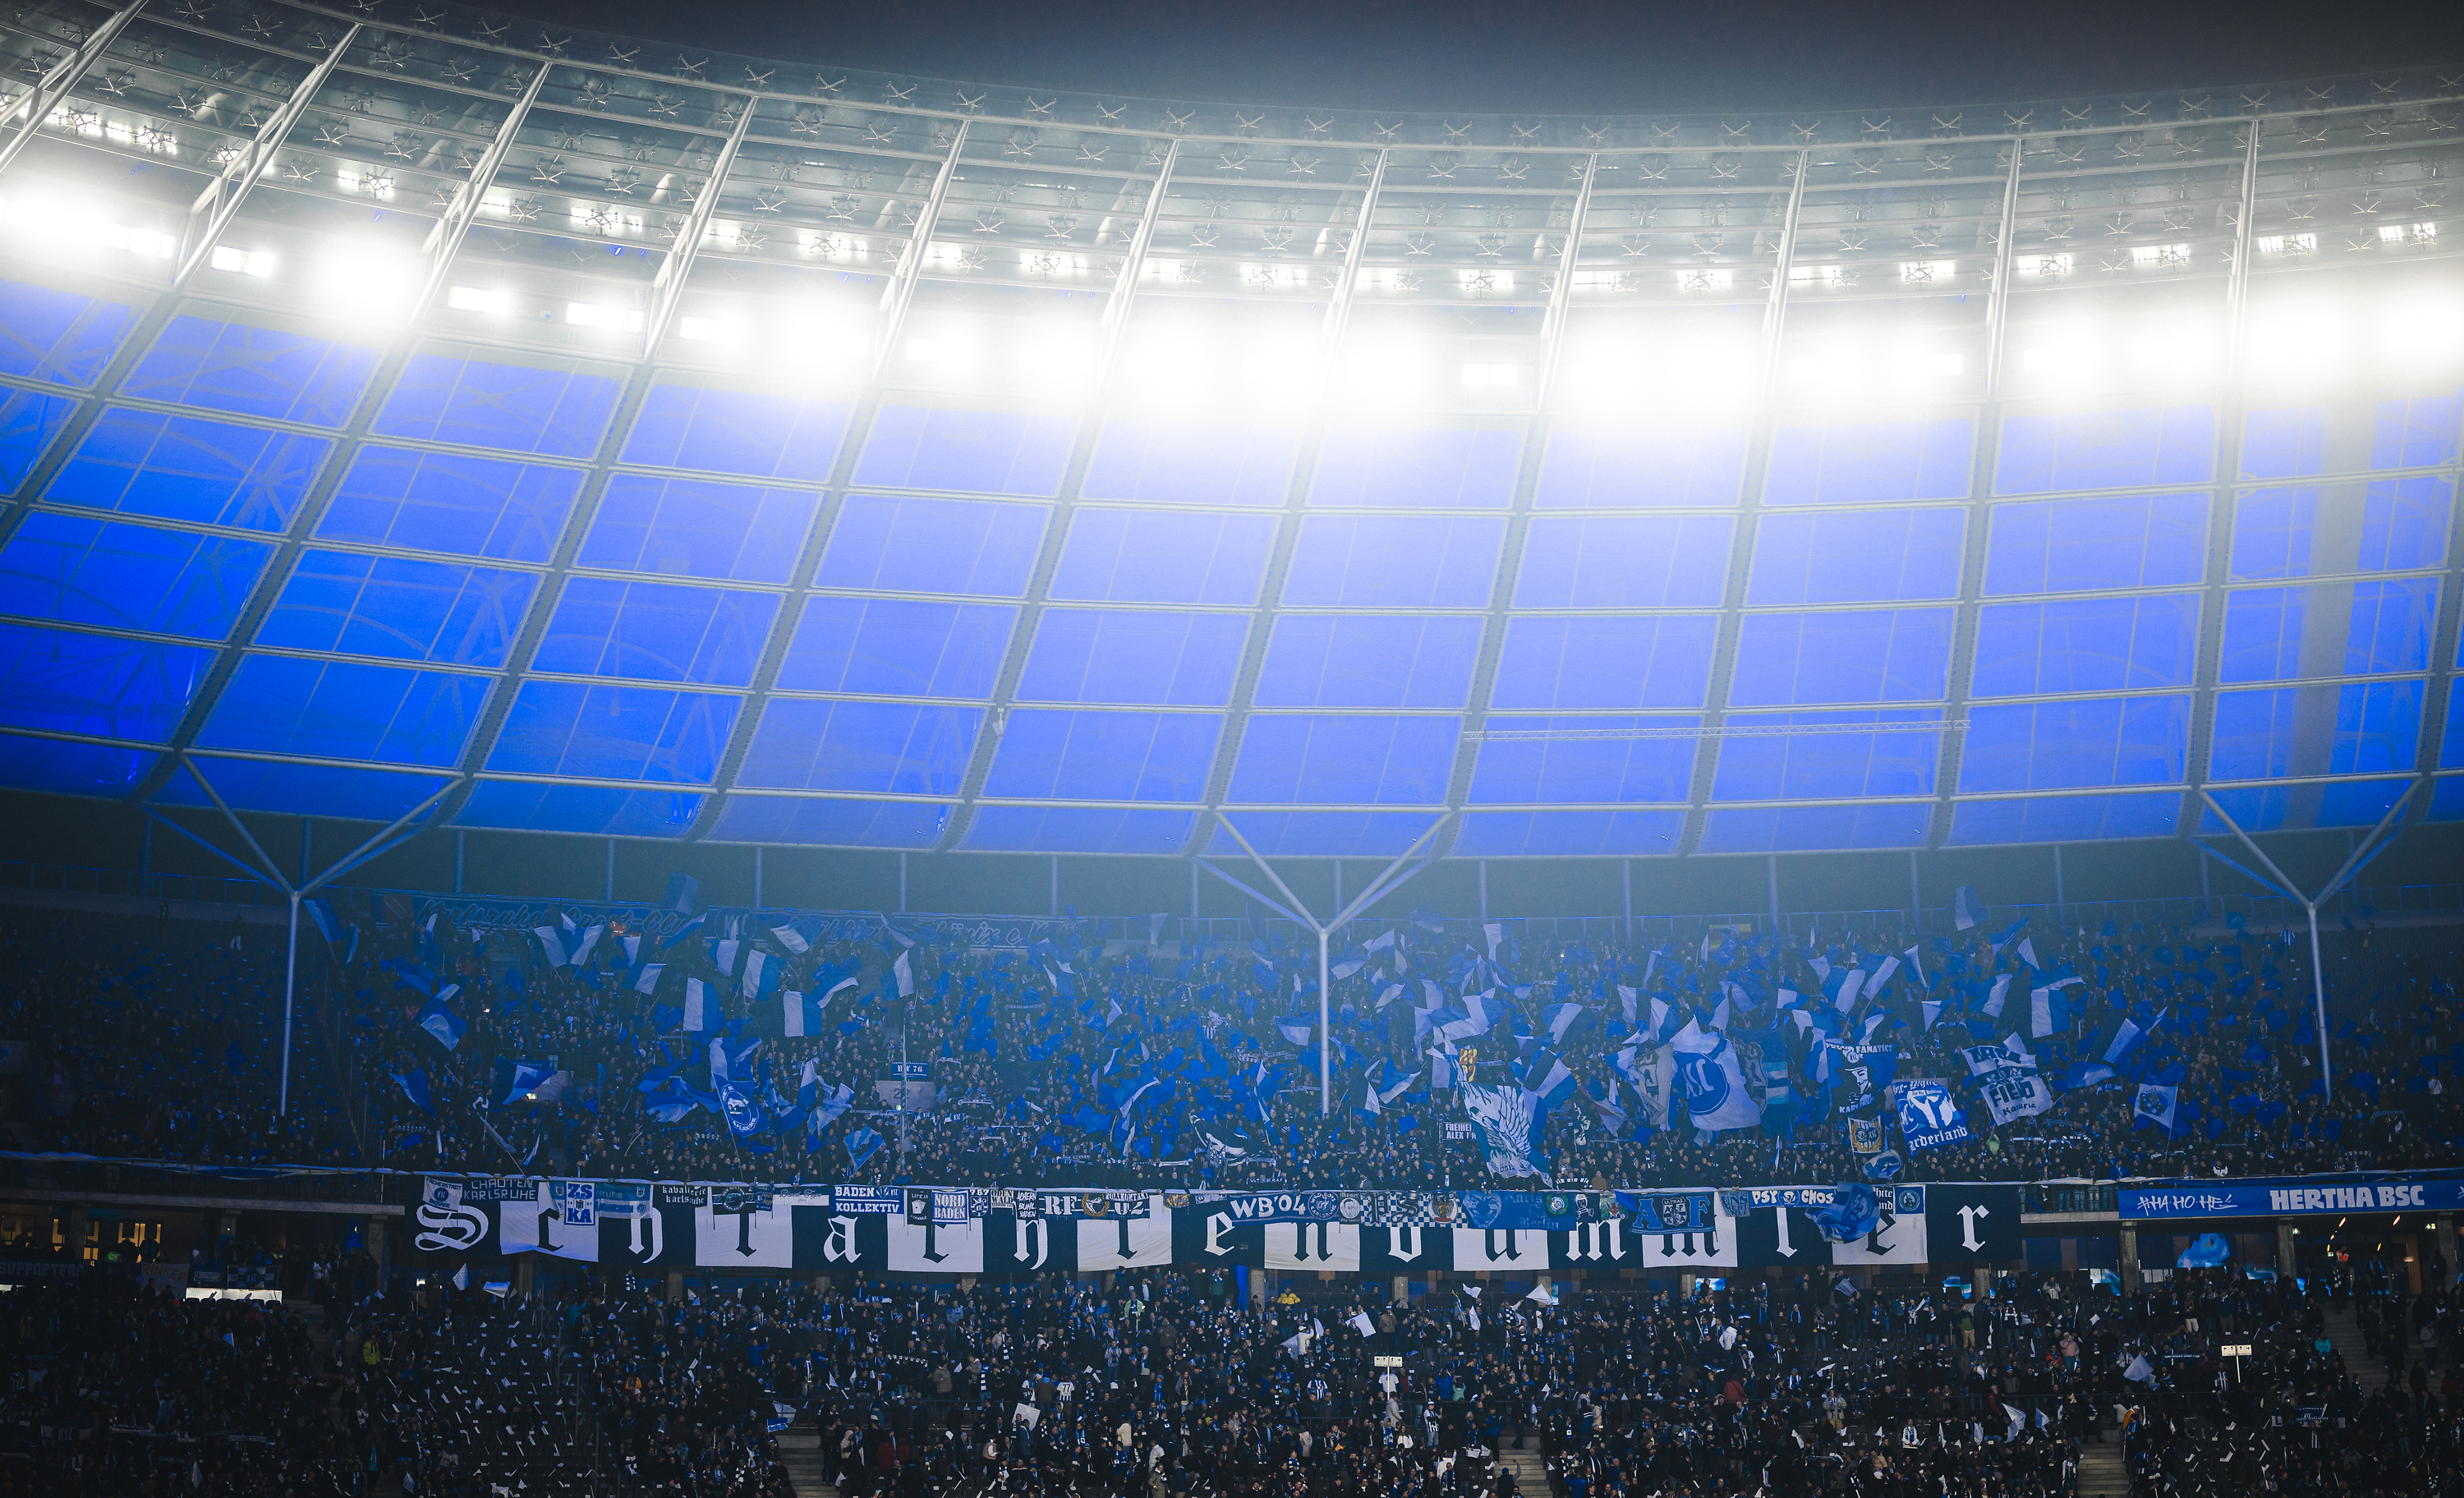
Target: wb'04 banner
(929, 1230)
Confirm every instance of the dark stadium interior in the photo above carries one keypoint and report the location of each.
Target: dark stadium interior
(1189, 752)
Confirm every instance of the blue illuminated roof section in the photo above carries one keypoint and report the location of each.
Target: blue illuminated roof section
(585, 598)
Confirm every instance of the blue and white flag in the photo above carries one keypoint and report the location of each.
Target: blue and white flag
(322, 911)
(863, 1145)
(744, 1115)
(414, 1086)
(760, 973)
(1295, 1030)
(698, 1007)
(792, 938)
(828, 1109)
(647, 980)
(516, 1079)
(1965, 908)
(582, 949)
(551, 943)
(2155, 1105)
(1714, 1082)
(1929, 1116)
(2001, 996)
(1506, 1120)
(1851, 1213)
(2007, 1079)
(2049, 1009)
(903, 971)
(442, 1023)
(803, 1015)
(683, 892)
(1562, 1017)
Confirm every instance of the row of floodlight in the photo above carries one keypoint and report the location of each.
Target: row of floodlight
(1172, 352)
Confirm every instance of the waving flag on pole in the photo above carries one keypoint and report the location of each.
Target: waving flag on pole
(441, 1022)
(551, 943)
(698, 1005)
(1966, 909)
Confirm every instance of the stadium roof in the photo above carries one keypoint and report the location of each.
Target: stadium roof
(395, 399)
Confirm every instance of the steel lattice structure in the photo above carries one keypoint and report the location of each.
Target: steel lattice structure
(714, 447)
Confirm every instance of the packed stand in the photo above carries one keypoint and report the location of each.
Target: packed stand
(160, 1039)
(1135, 1064)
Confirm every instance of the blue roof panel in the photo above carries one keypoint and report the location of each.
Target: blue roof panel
(699, 528)
(1641, 468)
(71, 769)
(1191, 462)
(1148, 656)
(84, 571)
(1345, 758)
(891, 748)
(2050, 451)
(2085, 644)
(1104, 755)
(2065, 819)
(2077, 743)
(302, 790)
(28, 421)
(2072, 545)
(656, 632)
(1369, 661)
(598, 811)
(1847, 753)
(400, 608)
(1427, 467)
(1558, 834)
(186, 467)
(1079, 829)
(897, 647)
(65, 681)
(252, 371)
(340, 709)
(1856, 655)
(2366, 728)
(753, 433)
(1600, 770)
(913, 446)
(1624, 562)
(830, 822)
(1394, 561)
(2403, 526)
(1164, 556)
(451, 502)
(1855, 556)
(1870, 462)
(58, 336)
(1606, 662)
(917, 545)
(614, 733)
(504, 407)
(1806, 829)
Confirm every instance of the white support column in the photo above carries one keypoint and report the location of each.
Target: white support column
(444, 239)
(1916, 893)
(1770, 879)
(1054, 899)
(902, 881)
(47, 96)
(458, 836)
(214, 207)
(1483, 891)
(896, 296)
(1625, 891)
(608, 885)
(2061, 897)
(667, 288)
(759, 903)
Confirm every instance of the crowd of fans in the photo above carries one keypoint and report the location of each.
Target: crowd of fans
(1193, 1062)
(1037, 1057)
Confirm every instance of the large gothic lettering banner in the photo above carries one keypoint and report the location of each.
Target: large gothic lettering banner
(1012, 1231)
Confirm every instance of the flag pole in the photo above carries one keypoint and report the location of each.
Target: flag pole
(290, 975)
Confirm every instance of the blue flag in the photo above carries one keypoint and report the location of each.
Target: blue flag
(440, 1022)
(861, 1145)
(744, 1115)
(414, 1086)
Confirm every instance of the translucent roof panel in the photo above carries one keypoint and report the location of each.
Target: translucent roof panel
(855, 480)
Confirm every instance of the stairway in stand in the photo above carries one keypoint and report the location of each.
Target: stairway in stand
(800, 1449)
(1530, 1471)
(2345, 1330)
(2102, 1473)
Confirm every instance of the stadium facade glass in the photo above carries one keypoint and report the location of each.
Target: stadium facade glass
(402, 399)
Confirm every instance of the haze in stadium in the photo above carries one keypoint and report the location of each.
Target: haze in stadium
(1141, 752)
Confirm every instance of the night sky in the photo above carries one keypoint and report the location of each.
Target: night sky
(1567, 56)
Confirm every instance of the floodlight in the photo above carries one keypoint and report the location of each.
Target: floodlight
(243, 262)
(495, 303)
(592, 315)
(374, 285)
(2426, 331)
(824, 342)
(1489, 376)
(1386, 370)
(1056, 355)
(707, 330)
(2288, 244)
(2300, 340)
